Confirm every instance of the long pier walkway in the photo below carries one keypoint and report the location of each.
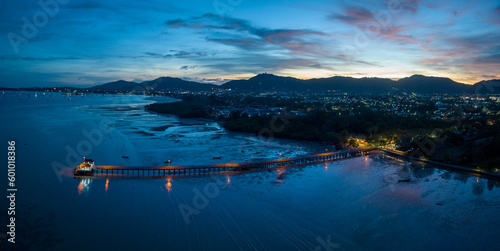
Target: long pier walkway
(446, 165)
(207, 169)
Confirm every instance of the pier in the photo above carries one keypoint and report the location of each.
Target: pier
(208, 169)
(441, 164)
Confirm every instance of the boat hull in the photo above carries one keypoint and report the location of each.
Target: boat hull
(82, 173)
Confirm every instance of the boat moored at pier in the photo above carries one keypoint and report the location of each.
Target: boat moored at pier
(85, 168)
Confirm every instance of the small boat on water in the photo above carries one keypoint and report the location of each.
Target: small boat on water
(403, 180)
(218, 157)
(167, 161)
(124, 156)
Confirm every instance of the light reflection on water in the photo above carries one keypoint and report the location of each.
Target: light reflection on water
(84, 186)
(107, 184)
(357, 204)
(169, 184)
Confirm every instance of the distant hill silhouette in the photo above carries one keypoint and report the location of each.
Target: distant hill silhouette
(159, 84)
(487, 87)
(266, 82)
(121, 85)
(416, 83)
(169, 83)
(269, 82)
(428, 85)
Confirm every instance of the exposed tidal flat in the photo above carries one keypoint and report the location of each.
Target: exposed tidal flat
(354, 204)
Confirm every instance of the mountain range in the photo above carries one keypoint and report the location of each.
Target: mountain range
(268, 83)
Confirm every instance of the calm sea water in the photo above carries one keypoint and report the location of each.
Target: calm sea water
(354, 204)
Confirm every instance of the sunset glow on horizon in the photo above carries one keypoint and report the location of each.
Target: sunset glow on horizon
(83, 43)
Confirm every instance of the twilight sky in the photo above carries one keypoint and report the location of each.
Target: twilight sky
(84, 42)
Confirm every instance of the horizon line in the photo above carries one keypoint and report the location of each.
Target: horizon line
(229, 80)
